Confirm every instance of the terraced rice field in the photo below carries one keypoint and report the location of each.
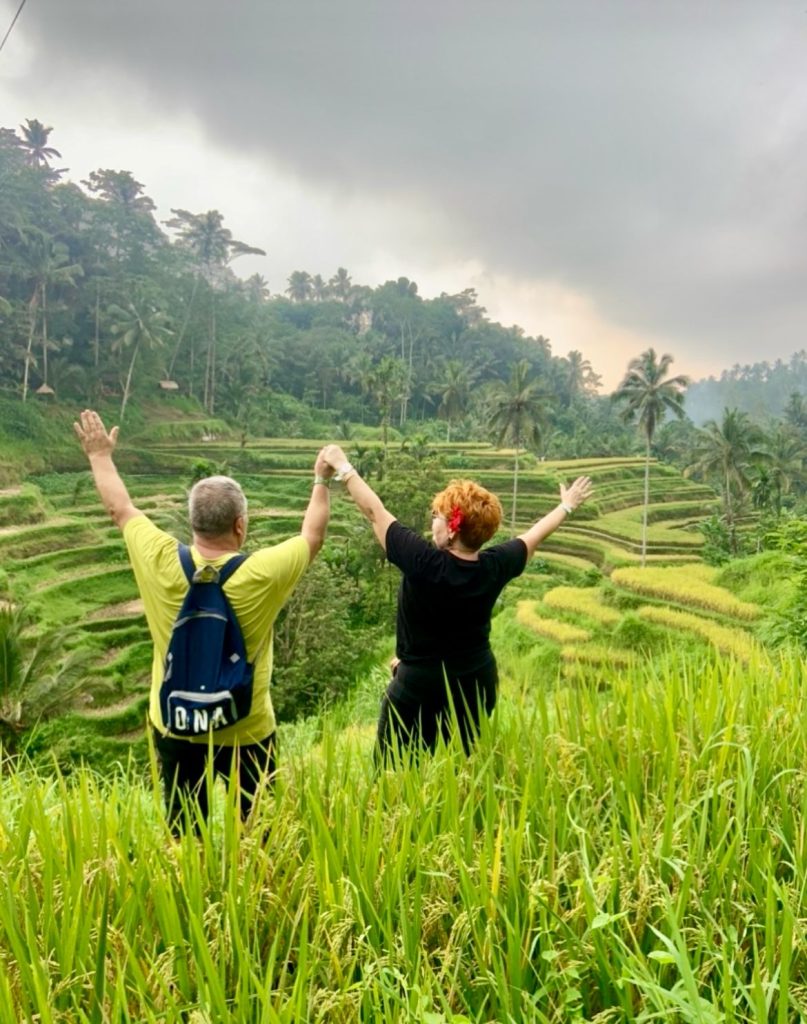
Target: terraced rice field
(67, 563)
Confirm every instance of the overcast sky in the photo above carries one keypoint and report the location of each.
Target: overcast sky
(610, 174)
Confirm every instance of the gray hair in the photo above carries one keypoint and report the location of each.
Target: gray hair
(214, 504)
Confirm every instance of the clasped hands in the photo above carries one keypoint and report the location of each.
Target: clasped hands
(329, 460)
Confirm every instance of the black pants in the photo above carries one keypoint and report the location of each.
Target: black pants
(422, 703)
(184, 772)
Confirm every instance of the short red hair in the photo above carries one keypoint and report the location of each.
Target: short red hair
(481, 511)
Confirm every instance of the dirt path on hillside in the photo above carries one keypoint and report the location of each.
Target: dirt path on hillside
(109, 710)
(114, 610)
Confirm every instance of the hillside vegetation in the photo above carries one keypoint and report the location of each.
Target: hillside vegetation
(624, 844)
(66, 564)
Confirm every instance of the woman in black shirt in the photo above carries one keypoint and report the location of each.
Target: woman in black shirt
(444, 665)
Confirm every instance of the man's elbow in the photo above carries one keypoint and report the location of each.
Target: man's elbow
(315, 542)
(121, 514)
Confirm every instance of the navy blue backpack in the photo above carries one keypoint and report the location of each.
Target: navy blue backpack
(207, 680)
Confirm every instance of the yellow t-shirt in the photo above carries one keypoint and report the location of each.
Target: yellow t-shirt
(257, 591)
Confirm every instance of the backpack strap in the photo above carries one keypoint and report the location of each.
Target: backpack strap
(186, 561)
(225, 572)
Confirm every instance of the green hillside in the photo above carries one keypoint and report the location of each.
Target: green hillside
(574, 610)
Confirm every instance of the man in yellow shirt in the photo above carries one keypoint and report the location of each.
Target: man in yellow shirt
(256, 591)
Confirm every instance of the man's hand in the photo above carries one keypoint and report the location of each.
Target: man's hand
(334, 456)
(95, 440)
(322, 467)
(98, 445)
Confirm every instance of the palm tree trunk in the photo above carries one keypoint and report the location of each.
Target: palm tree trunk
(127, 386)
(97, 323)
(646, 501)
(184, 327)
(44, 335)
(213, 362)
(515, 487)
(32, 309)
(730, 517)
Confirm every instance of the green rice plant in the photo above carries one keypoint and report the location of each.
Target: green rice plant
(583, 601)
(52, 563)
(679, 585)
(49, 536)
(553, 629)
(597, 655)
(736, 642)
(556, 558)
(625, 528)
(68, 600)
(19, 505)
(630, 847)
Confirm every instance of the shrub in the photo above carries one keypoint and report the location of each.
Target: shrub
(320, 647)
(639, 634)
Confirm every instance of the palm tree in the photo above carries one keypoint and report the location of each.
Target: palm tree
(795, 413)
(518, 412)
(256, 288)
(386, 383)
(136, 326)
(779, 468)
(455, 387)
(300, 287)
(35, 143)
(47, 263)
(648, 395)
(579, 376)
(319, 289)
(728, 451)
(38, 679)
(340, 284)
(120, 188)
(213, 248)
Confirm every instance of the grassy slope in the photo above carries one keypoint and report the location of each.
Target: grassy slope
(626, 841)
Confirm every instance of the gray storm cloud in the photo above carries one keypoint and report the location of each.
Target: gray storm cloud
(650, 156)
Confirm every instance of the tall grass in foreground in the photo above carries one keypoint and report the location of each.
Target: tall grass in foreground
(636, 853)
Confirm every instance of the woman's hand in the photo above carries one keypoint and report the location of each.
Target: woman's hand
(579, 492)
(334, 456)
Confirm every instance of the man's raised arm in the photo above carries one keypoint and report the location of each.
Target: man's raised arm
(315, 521)
(98, 445)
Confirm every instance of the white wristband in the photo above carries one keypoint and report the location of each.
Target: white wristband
(344, 471)
(567, 508)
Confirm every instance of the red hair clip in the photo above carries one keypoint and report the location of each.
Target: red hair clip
(456, 519)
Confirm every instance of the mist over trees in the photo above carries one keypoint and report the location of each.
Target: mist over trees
(763, 390)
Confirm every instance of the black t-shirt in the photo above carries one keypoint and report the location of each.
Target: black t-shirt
(445, 603)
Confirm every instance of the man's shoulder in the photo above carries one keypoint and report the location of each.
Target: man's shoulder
(141, 525)
(143, 537)
(285, 552)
